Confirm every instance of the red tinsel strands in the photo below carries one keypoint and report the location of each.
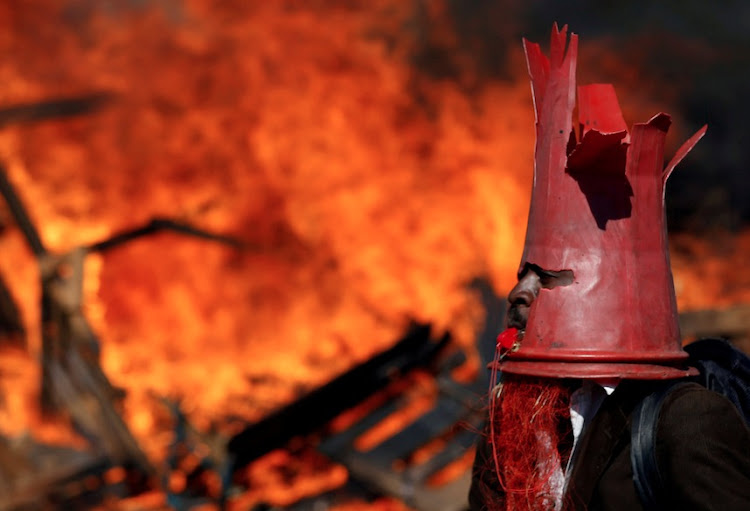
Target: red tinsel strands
(494, 395)
(507, 341)
(525, 430)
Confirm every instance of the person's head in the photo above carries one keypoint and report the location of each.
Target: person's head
(595, 296)
(530, 283)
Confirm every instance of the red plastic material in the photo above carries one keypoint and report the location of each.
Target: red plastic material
(507, 340)
(597, 208)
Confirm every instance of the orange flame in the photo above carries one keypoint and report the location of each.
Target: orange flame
(367, 193)
(295, 128)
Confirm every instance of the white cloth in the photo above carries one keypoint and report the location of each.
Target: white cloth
(584, 403)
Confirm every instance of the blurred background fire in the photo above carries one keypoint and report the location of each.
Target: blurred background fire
(373, 158)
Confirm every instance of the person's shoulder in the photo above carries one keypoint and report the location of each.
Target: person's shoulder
(690, 396)
(685, 392)
(693, 407)
(703, 450)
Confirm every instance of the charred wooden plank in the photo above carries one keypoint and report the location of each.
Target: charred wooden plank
(32, 474)
(20, 214)
(455, 417)
(73, 382)
(162, 224)
(451, 423)
(54, 108)
(11, 326)
(731, 321)
(65, 331)
(79, 393)
(313, 411)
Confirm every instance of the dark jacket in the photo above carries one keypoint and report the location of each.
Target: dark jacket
(703, 452)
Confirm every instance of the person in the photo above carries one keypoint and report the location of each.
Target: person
(592, 324)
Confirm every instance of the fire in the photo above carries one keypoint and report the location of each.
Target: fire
(709, 273)
(366, 193)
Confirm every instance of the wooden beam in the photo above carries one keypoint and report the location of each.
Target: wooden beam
(54, 108)
(730, 322)
(734, 320)
(314, 410)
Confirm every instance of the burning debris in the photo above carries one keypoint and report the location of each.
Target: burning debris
(74, 386)
(53, 109)
(11, 328)
(357, 156)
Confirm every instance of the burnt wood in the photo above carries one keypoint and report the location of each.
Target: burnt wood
(54, 108)
(20, 214)
(731, 321)
(455, 418)
(38, 476)
(312, 411)
(163, 224)
(73, 382)
(391, 467)
(11, 326)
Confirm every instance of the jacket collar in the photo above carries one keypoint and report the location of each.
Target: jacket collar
(605, 436)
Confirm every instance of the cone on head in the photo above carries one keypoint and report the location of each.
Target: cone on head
(597, 209)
